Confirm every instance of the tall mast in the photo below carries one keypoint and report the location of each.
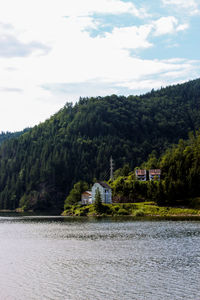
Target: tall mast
(111, 168)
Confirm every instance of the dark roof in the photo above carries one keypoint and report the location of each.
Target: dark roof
(104, 185)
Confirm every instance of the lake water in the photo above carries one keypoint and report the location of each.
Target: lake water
(81, 259)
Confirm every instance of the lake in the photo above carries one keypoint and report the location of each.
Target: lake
(86, 259)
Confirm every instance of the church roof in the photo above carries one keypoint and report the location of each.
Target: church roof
(104, 185)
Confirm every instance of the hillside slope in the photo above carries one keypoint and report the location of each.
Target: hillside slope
(77, 142)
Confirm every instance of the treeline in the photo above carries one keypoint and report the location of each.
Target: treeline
(9, 135)
(179, 183)
(39, 168)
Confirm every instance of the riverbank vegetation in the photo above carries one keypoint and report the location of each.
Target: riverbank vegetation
(179, 184)
(143, 209)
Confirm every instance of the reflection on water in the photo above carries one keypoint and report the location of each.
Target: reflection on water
(67, 258)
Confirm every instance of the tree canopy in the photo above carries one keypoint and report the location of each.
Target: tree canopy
(180, 180)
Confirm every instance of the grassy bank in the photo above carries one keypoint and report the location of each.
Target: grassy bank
(144, 209)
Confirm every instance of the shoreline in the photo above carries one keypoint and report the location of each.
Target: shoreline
(137, 210)
(134, 211)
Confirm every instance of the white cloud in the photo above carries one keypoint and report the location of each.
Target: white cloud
(168, 25)
(182, 27)
(146, 84)
(133, 75)
(165, 25)
(128, 37)
(87, 7)
(32, 87)
(191, 6)
(29, 10)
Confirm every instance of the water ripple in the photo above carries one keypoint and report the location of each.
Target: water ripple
(44, 258)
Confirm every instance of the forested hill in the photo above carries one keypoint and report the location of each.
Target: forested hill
(9, 135)
(41, 166)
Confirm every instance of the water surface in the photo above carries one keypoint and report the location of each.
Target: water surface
(81, 259)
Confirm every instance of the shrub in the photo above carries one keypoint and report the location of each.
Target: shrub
(84, 211)
(67, 206)
(122, 211)
(138, 213)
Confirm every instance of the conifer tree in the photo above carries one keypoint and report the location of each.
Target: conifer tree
(98, 206)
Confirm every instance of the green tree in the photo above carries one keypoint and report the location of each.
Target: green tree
(152, 162)
(98, 206)
(75, 194)
(124, 171)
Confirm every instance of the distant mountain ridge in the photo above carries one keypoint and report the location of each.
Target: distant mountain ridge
(76, 143)
(9, 135)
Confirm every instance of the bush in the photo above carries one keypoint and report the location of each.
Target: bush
(75, 194)
(84, 211)
(138, 213)
(122, 211)
(67, 206)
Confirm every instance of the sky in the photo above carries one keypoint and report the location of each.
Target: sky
(55, 51)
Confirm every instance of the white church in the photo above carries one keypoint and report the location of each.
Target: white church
(105, 190)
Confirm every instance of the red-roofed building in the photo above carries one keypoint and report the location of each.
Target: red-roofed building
(141, 174)
(86, 197)
(154, 174)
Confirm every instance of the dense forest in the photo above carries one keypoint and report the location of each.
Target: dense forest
(39, 168)
(179, 184)
(9, 135)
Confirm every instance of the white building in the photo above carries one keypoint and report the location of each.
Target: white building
(86, 197)
(105, 191)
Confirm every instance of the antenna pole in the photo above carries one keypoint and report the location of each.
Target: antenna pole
(111, 168)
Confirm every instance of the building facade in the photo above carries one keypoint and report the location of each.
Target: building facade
(154, 174)
(105, 191)
(86, 197)
(141, 174)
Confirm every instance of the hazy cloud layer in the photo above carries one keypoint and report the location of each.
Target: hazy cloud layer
(12, 90)
(12, 47)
